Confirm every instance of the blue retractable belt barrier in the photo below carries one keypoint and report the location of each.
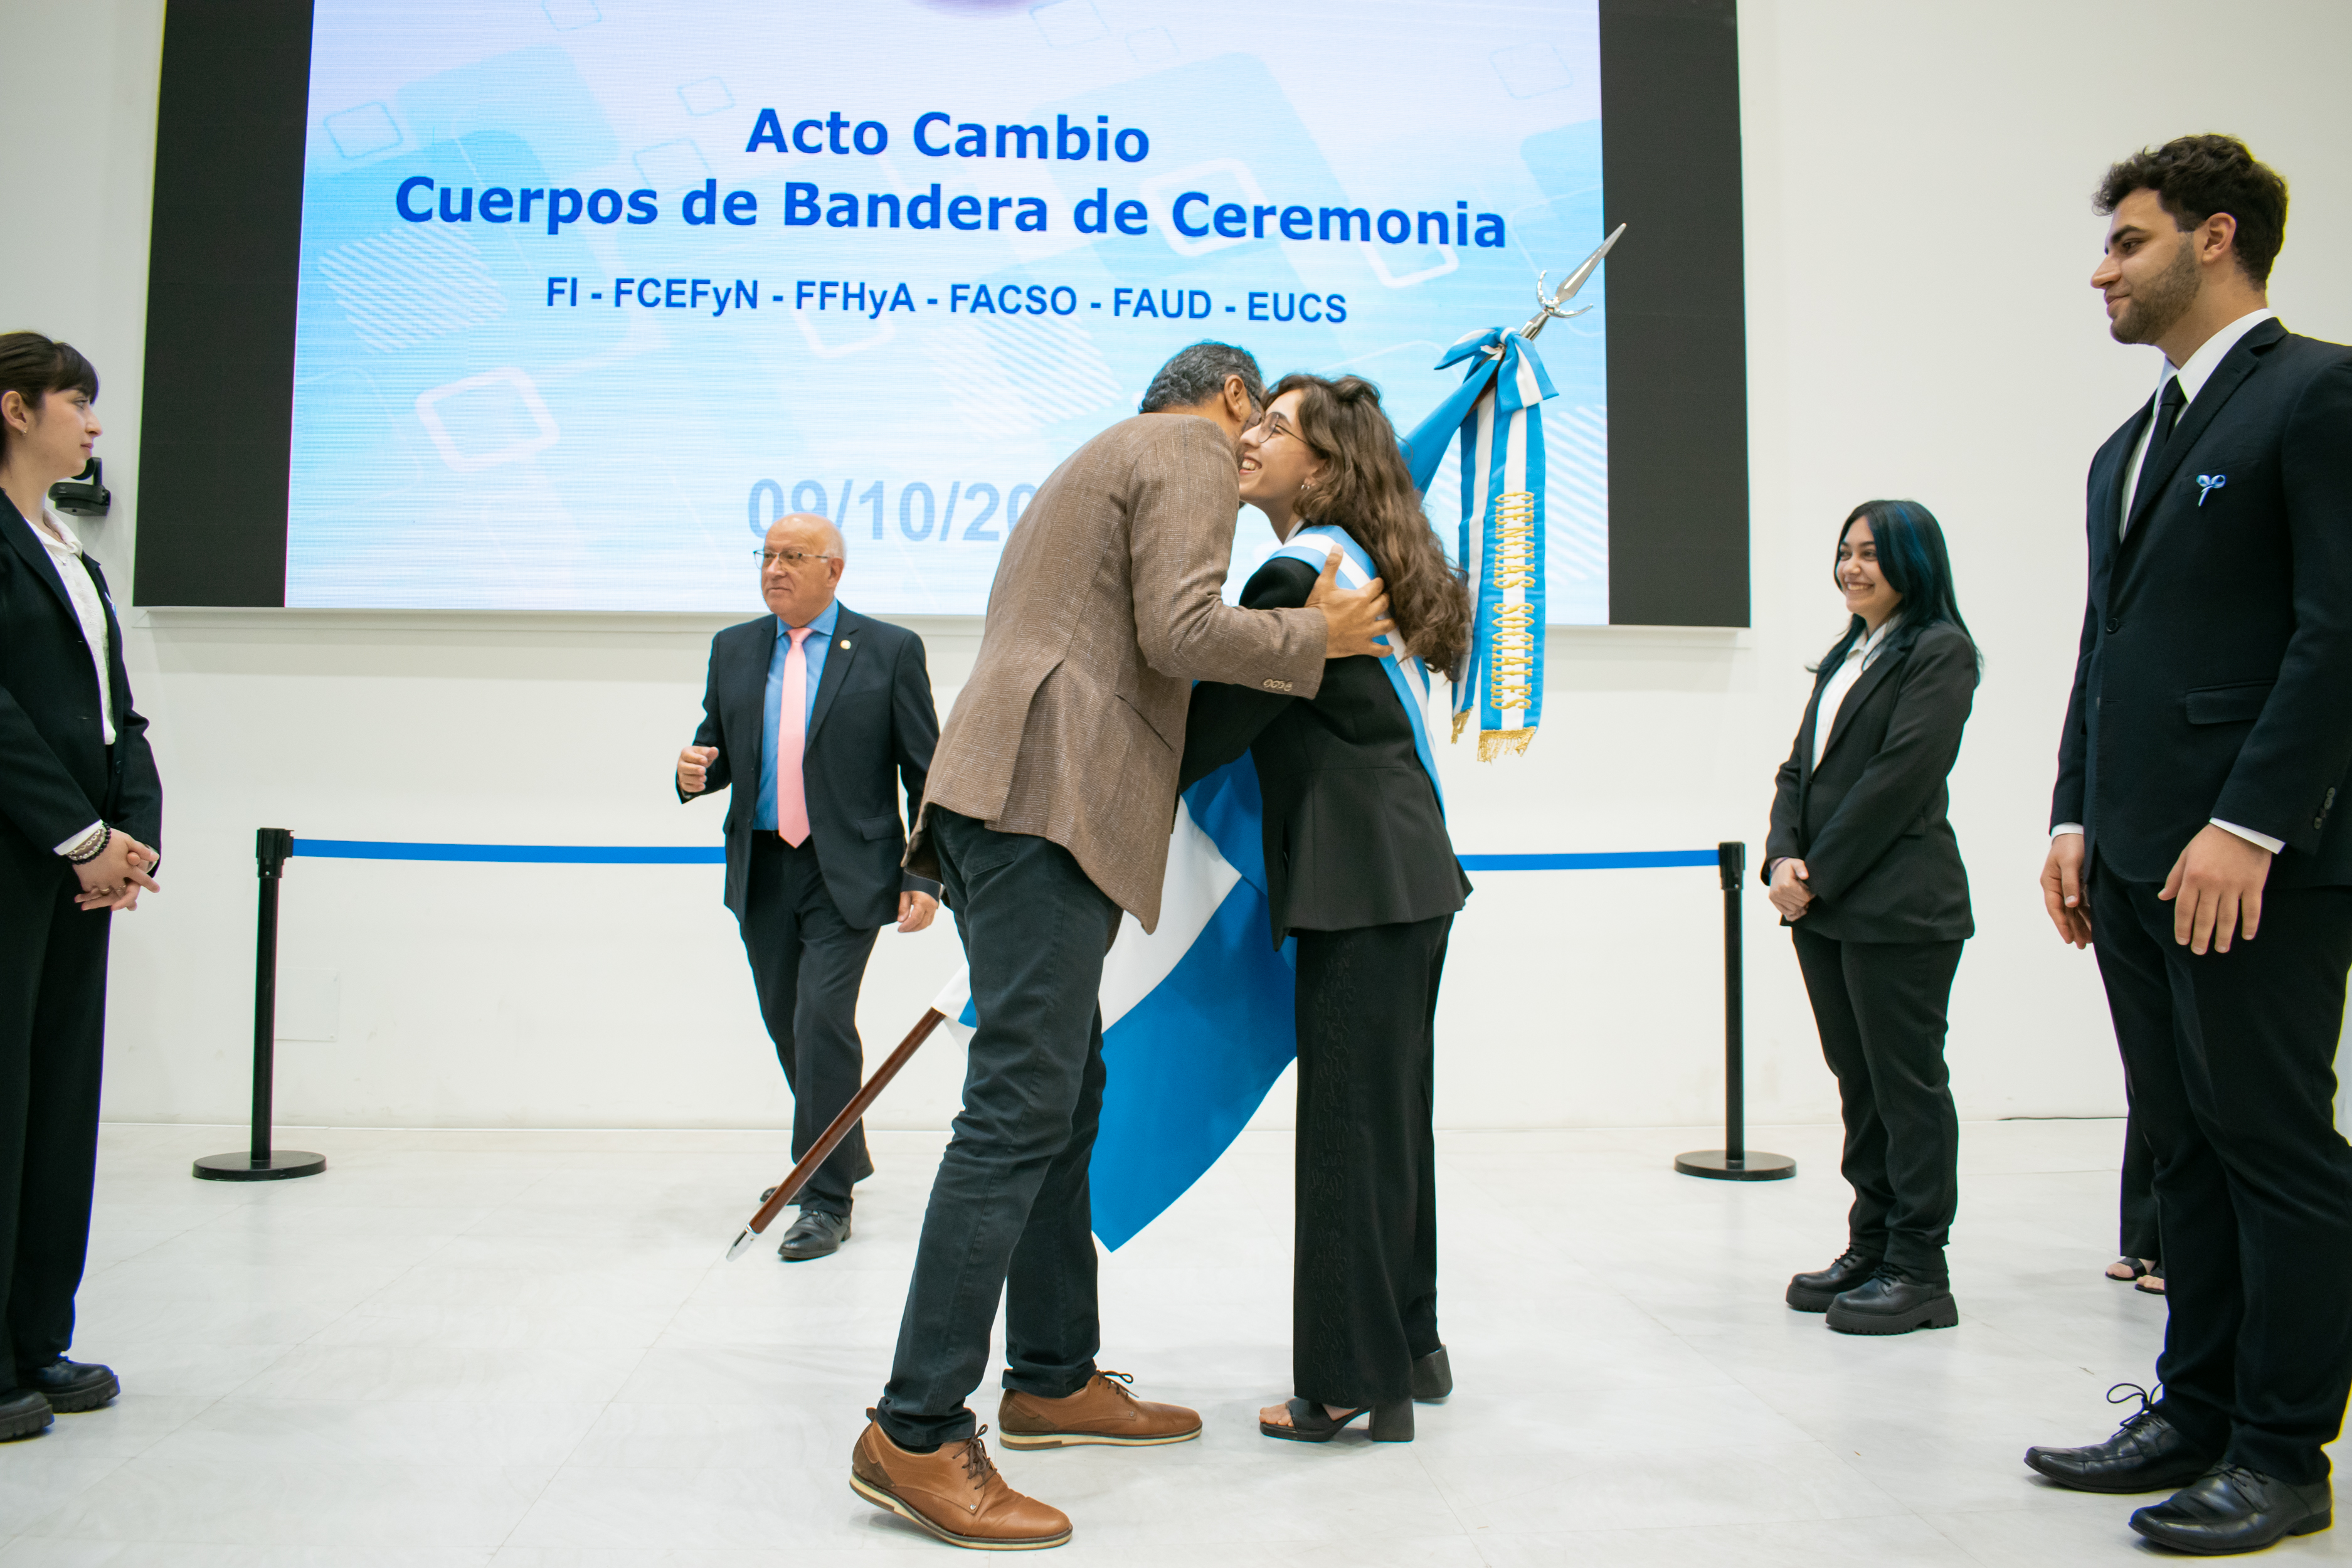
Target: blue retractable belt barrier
(715, 855)
(274, 846)
(1605, 860)
(527, 854)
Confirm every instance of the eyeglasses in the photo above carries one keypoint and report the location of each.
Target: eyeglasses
(1273, 427)
(791, 559)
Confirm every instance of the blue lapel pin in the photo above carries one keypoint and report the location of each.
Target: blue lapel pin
(2206, 484)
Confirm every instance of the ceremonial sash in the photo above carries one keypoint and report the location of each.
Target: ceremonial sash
(1407, 675)
(1498, 413)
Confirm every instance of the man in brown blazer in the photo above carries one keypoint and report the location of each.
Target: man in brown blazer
(1046, 813)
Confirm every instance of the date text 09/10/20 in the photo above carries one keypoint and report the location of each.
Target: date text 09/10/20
(986, 512)
(716, 296)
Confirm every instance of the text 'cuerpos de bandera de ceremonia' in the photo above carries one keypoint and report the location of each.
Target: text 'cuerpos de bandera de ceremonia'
(1195, 216)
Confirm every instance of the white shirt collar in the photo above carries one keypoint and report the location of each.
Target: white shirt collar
(58, 530)
(822, 623)
(1868, 646)
(2208, 355)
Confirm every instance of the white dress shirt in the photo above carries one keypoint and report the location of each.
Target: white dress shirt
(2193, 377)
(64, 553)
(1858, 657)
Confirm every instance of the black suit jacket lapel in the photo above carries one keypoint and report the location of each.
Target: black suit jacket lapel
(845, 643)
(37, 556)
(118, 675)
(2239, 362)
(1859, 693)
(747, 693)
(1805, 733)
(2106, 496)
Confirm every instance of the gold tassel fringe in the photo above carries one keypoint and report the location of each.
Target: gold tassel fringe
(1493, 743)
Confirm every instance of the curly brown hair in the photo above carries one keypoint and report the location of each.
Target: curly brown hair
(1367, 491)
(2195, 176)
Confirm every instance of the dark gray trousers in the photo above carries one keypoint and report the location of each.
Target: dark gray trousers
(52, 1040)
(1364, 1282)
(1880, 1006)
(1010, 1212)
(2232, 1062)
(807, 963)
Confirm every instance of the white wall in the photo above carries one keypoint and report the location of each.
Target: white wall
(1919, 236)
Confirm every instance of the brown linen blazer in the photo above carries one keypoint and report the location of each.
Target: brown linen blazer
(1107, 606)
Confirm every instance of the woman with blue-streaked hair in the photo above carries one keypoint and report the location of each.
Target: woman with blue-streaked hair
(1866, 874)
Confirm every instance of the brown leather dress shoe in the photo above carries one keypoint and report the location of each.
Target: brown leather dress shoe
(955, 1492)
(1102, 1412)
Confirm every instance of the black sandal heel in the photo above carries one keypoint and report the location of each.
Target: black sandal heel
(1433, 1375)
(1309, 1422)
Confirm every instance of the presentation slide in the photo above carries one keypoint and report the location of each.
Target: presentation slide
(592, 290)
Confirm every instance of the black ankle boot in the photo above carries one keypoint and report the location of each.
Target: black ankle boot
(1813, 1292)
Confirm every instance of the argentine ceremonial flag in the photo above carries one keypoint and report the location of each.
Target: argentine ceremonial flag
(1197, 1016)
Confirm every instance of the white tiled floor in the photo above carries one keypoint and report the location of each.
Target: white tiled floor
(523, 1349)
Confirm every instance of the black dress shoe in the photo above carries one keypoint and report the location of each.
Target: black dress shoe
(1891, 1302)
(2147, 1454)
(1813, 1292)
(23, 1413)
(1433, 1375)
(70, 1386)
(815, 1234)
(2232, 1509)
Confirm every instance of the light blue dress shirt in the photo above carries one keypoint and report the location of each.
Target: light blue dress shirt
(820, 639)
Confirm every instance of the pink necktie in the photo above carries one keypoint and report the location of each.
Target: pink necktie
(792, 739)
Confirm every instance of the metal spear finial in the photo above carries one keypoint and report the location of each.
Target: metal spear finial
(1551, 303)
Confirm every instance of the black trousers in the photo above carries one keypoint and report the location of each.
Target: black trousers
(1880, 1007)
(1011, 1213)
(1364, 1274)
(2231, 1061)
(807, 963)
(52, 1037)
(2137, 1234)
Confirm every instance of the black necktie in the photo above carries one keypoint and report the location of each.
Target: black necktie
(2168, 404)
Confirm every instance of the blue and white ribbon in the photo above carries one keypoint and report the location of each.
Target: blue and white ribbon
(1407, 674)
(1496, 417)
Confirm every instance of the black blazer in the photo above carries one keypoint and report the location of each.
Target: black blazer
(1353, 833)
(873, 717)
(1870, 825)
(57, 775)
(2214, 675)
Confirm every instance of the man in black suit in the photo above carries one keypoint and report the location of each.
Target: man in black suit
(814, 708)
(2196, 847)
(80, 811)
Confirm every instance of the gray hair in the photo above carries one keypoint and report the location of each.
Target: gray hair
(1197, 374)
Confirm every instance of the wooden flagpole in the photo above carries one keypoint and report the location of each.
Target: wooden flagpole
(851, 1114)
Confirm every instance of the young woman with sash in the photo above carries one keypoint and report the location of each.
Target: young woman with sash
(1361, 873)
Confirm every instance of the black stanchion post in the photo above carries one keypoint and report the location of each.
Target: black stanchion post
(271, 848)
(1734, 1161)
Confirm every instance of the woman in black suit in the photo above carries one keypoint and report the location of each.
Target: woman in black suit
(1865, 870)
(79, 809)
(1360, 872)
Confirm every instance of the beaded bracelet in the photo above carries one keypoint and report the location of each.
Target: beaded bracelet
(91, 848)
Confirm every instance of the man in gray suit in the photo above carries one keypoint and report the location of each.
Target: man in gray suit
(1046, 813)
